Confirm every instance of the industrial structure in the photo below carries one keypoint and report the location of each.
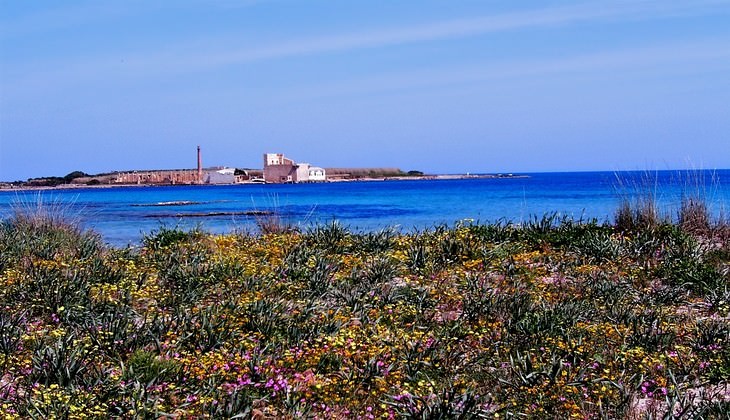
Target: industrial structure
(200, 167)
(277, 169)
(217, 175)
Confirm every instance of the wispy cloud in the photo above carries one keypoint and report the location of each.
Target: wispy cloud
(654, 60)
(462, 28)
(207, 54)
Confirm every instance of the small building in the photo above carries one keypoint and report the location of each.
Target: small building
(279, 169)
(219, 175)
(317, 174)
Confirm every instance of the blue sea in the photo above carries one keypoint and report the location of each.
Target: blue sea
(123, 214)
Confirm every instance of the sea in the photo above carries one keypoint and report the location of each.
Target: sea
(123, 215)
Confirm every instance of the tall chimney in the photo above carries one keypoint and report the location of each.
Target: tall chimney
(200, 167)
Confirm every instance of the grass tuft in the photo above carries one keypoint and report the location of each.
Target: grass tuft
(638, 207)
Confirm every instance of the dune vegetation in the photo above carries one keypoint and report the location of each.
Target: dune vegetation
(552, 318)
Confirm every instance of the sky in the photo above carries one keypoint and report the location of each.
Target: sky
(447, 86)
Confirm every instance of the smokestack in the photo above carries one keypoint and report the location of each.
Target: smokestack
(200, 167)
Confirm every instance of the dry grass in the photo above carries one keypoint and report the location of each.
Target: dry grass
(271, 221)
(37, 211)
(638, 206)
(694, 216)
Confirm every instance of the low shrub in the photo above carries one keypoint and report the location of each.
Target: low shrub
(552, 319)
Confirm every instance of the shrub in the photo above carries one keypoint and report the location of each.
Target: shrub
(149, 368)
(331, 237)
(60, 362)
(165, 237)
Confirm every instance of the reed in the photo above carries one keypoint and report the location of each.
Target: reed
(272, 220)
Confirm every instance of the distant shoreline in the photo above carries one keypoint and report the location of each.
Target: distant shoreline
(11, 187)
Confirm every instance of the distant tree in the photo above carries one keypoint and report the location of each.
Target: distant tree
(73, 175)
(415, 173)
(93, 182)
(51, 181)
(239, 172)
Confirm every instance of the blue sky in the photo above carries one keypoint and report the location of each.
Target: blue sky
(439, 86)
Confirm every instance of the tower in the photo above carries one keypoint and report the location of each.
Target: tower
(200, 167)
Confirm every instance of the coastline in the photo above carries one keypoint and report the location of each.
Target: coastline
(366, 205)
(439, 177)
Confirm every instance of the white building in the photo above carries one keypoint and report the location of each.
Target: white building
(219, 175)
(309, 173)
(317, 174)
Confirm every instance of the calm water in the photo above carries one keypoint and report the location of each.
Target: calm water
(123, 214)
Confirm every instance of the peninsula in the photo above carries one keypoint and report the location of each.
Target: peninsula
(277, 169)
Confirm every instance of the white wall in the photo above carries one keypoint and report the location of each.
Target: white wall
(317, 174)
(219, 177)
(302, 172)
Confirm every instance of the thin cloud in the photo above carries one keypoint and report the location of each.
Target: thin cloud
(197, 56)
(462, 28)
(694, 57)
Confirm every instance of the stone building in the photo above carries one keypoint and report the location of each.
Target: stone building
(280, 169)
(165, 177)
(217, 175)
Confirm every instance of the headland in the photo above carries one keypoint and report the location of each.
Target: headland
(277, 169)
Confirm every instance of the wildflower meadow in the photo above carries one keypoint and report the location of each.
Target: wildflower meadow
(553, 318)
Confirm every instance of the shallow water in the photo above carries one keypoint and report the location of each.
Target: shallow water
(123, 214)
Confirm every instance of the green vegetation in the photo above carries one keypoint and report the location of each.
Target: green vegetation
(73, 175)
(551, 319)
(360, 173)
(54, 181)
